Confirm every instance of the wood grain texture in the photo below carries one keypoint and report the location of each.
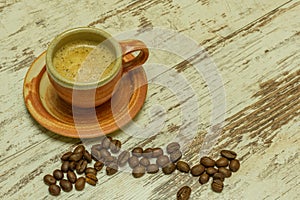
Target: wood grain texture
(255, 46)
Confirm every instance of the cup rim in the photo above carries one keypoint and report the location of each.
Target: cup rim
(61, 80)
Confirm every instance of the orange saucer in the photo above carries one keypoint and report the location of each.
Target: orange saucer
(54, 114)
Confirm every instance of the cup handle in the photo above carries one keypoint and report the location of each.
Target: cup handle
(129, 61)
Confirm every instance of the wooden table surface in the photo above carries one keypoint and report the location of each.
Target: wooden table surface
(246, 89)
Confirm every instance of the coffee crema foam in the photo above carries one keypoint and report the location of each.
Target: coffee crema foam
(84, 61)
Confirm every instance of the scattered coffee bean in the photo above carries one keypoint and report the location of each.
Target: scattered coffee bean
(76, 156)
(66, 156)
(90, 170)
(184, 193)
(228, 154)
(207, 161)
(137, 151)
(222, 162)
(138, 171)
(115, 146)
(211, 171)
(91, 179)
(217, 185)
(111, 169)
(65, 166)
(219, 176)
(144, 162)
(162, 160)
(226, 172)
(106, 143)
(79, 149)
(49, 179)
(87, 156)
(183, 166)
(234, 165)
(152, 168)
(65, 185)
(80, 184)
(58, 174)
(54, 190)
(175, 156)
(81, 166)
(174, 146)
(156, 152)
(123, 158)
(98, 165)
(133, 161)
(97, 147)
(204, 178)
(169, 168)
(197, 170)
(147, 153)
(72, 165)
(71, 176)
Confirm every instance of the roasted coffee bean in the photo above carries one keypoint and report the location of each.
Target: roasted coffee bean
(144, 162)
(123, 158)
(90, 170)
(162, 160)
(65, 185)
(80, 184)
(152, 168)
(211, 171)
(111, 169)
(79, 149)
(87, 156)
(81, 166)
(98, 165)
(66, 156)
(104, 153)
(156, 152)
(228, 154)
(137, 151)
(147, 153)
(183, 166)
(169, 168)
(76, 157)
(226, 172)
(219, 176)
(49, 179)
(72, 165)
(106, 143)
(207, 161)
(234, 165)
(138, 171)
(197, 170)
(184, 193)
(222, 162)
(54, 190)
(96, 155)
(71, 176)
(173, 146)
(133, 161)
(115, 146)
(58, 174)
(91, 179)
(204, 178)
(217, 185)
(65, 166)
(175, 156)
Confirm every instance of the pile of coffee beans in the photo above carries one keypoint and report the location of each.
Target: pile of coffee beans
(75, 169)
